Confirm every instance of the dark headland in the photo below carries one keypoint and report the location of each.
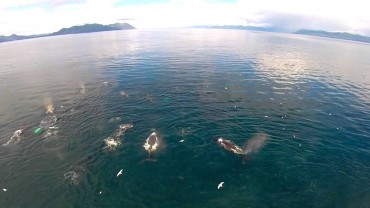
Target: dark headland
(87, 28)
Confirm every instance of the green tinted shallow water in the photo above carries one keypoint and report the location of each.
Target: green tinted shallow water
(310, 95)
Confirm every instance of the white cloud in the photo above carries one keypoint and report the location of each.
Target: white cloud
(340, 15)
(350, 15)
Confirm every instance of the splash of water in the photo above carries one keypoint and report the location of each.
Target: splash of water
(114, 141)
(49, 132)
(15, 138)
(114, 119)
(123, 93)
(111, 143)
(82, 88)
(48, 121)
(254, 144)
(48, 103)
(151, 144)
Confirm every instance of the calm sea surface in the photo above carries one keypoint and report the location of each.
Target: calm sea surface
(311, 96)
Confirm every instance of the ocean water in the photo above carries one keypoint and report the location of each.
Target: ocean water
(311, 96)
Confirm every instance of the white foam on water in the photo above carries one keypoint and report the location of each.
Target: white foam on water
(82, 88)
(123, 93)
(152, 142)
(114, 141)
(15, 138)
(49, 132)
(48, 121)
(73, 175)
(114, 119)
(111, 143)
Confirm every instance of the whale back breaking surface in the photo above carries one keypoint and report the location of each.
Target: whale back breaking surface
(151, 143)
(251, 146)
(230, 146)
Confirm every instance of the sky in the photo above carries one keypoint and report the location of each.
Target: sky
(25, 17)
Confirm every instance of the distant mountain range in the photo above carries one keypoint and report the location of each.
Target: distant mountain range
(336, 35)
(320, 33)
(87, 28)
(240, 27)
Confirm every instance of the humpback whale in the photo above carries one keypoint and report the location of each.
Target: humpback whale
(230, 146)
(151, 143)
(251, 145)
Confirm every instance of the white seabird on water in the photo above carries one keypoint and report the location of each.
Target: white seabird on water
(220, 185)
(119, 173)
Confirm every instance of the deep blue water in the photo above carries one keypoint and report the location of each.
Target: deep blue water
(311, 96)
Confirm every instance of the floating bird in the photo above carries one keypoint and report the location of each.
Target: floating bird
(182, 140)
(119, 173)
(220, 185)
(151, 143)
(100, 192)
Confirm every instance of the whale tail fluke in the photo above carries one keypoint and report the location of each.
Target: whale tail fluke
(149, 159)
